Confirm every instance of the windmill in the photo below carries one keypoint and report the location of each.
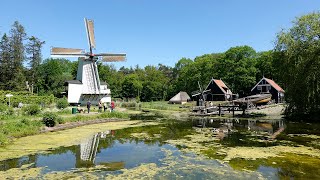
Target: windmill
(87, 85)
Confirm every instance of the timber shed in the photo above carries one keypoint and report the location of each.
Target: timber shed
(266, 85)
(216, 90)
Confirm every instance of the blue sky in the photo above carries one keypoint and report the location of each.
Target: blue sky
(153, 32)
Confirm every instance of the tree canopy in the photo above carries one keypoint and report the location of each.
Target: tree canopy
(298, 64)
(294, 64)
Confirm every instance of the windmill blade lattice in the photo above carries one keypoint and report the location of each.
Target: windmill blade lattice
(90, 34)
(57, 51)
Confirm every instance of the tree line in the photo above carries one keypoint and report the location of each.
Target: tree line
(293, 64)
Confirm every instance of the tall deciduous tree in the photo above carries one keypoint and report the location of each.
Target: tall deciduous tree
(298, 64)
(265, 65)
(238, 70)
(53, 73)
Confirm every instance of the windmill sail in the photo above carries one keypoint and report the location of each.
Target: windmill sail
(108, 57)
(90, 34)
(57, 51)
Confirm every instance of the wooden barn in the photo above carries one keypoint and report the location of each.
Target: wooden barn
(217, 90)
(266, 85)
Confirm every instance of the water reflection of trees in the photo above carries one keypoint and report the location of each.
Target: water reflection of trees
(18, 162)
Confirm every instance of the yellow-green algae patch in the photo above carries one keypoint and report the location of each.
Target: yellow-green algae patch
(289, 165)
(182, 167)
(312, 136)
(203, 142)
(145, 136)
(71, 175)
(51, 140)
(267, 152)
(25, 172)
(198, 142)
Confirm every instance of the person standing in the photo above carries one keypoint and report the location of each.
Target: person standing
(112, 106)
(88, 106)
(105, 106)
(100, 106)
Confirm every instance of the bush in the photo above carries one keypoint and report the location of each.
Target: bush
(60, 120)
(3, 108)
(6, 110)
(32, 109)
(62, 103)
(50, 119)
(25, 98)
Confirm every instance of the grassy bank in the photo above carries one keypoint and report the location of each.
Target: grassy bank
(30, 120)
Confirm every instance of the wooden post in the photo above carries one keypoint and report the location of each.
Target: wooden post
(233, 111)
(219, 109)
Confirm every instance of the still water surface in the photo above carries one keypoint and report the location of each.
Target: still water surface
(149, 147)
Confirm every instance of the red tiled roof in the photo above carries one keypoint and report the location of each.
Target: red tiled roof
(220, 83)
(274, 84)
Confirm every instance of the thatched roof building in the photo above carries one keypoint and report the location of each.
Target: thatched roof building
(180, 98)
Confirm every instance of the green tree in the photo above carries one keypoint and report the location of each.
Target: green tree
(33, 49)
(5, 62)
(54, 73)
(264, 65)
(131, 86)
(238, 69)
(298, 65)
(112, 77)
(17, 37)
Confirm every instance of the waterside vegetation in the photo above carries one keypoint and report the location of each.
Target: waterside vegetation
(293, 63)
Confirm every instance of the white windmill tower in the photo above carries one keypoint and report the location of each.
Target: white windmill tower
(87, 86)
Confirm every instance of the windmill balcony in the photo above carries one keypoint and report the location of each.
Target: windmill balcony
(105, 91)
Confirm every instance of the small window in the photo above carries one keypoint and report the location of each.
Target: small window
(259, 88)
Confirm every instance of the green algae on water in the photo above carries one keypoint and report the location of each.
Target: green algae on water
(42, 143)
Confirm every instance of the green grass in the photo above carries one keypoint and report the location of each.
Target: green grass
(18, 128)
(104, 115)
(164, 105)
(16, 123)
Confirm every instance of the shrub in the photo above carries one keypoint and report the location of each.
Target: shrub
(50, 119)
(10, 111)
(6, 110)
(62, 103)
(3, 108)
(32, 109)
(60, 120)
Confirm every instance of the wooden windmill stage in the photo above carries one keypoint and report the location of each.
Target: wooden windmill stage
(87, 87)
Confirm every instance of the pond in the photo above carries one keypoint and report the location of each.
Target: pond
(200, 148)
